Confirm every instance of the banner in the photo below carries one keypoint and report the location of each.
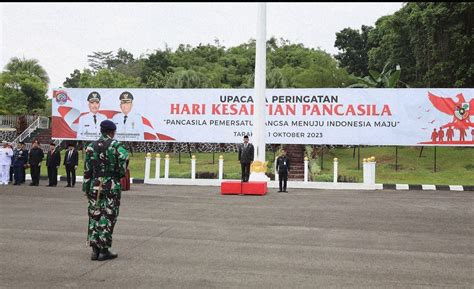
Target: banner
(344, 116)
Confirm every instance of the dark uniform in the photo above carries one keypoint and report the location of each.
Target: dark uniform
(283, 167)
(104, 166)
(246, 154)
(53, 161)
(71, 158)
(35, 158)
(20, 159)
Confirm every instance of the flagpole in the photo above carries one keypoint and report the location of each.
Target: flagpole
(258, 131)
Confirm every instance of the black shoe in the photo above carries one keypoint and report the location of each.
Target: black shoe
(16, 184)
(280, 191)
(95, 253)
(49, 186)
(68, 186)
(31, 184)
(105, 254)
(285, 191)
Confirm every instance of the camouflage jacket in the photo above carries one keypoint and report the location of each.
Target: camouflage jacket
(116, 154)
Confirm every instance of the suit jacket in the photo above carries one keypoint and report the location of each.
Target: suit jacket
(20, 157)
(36, 156)
(54, 159)
(246, 154)
(283, 164)
(71, 161)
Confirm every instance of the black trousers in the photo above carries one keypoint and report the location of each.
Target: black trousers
(35, 174)
(283, 178)
(70, 175)
(53, 176)
(245, 171)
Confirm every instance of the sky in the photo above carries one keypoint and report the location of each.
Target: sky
(61, 35)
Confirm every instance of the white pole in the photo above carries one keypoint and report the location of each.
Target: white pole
(365, 171)
(306, 171)
(277, 176)
(157, 167)
(258, 131)
(193, 167)
(147, 166)
(167, 166)
(221, 167)
(335, 171)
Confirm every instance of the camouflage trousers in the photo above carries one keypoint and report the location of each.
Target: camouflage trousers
(103, 214)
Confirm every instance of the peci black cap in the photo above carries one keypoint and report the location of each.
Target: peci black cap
(93, 96)
(126, 97)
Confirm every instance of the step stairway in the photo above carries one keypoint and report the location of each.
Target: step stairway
(296, 155)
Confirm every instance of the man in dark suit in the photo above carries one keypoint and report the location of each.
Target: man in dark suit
(53, 161)
(283, 168)
(35, 159)
(246, 158)
(70, 162)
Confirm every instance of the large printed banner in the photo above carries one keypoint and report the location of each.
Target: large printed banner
(293, 116)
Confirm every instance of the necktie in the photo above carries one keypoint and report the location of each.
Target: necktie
(95, 119)
(124, 119)
(69, 157)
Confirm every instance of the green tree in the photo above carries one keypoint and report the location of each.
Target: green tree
(74, 80)
(187, 79)
(388, 78)
(355, 48)
(431, 40)
(23, 87)
(106, 78)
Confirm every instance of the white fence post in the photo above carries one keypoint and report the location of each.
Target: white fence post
(306, 169)
(193, 167)
(167, 166)
(335, 171)
(147, 166)
(221, 167)
(369, 170)
(157, 166)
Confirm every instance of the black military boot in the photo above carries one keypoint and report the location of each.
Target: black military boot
(95, 252)
(105, 254)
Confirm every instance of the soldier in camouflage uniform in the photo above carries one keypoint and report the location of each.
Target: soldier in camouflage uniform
(103, 168)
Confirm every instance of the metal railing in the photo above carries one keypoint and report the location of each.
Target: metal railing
(12, 120)
(40, 122)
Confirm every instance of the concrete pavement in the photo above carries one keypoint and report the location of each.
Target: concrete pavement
(192, 237)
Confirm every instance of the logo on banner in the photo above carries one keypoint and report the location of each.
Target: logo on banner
(61, 97)
(462, 112)
(455, 131)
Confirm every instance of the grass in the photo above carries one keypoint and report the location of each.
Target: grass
(455, 165)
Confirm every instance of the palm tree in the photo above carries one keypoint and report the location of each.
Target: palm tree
(28, 66)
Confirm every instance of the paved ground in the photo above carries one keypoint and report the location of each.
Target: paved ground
(183, 237)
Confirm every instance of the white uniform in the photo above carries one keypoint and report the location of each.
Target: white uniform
(133, 128)
(6, 155)
(87, 128)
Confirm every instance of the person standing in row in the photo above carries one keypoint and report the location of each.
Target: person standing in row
(283, 168)
(35, 158)
(246, 154)
(6, 154)
(53, 161)
(20, 160)
(70, 163)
